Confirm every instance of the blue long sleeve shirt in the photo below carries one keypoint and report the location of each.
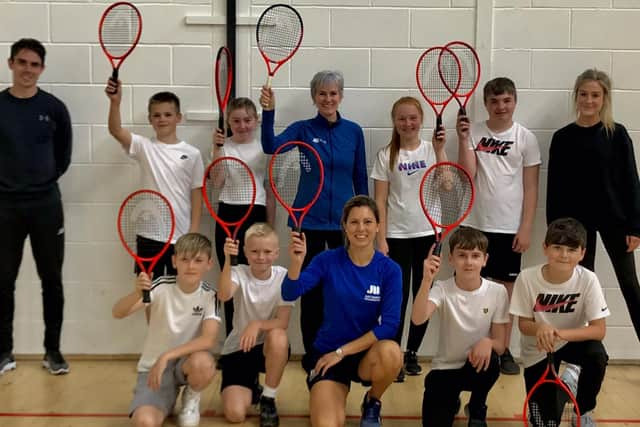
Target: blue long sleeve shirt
(356, 299)
(341, 148)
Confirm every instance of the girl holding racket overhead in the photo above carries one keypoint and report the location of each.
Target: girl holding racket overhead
(340, 144)
(593, 177)
(405, 235)
(355, 341)
(242, 119)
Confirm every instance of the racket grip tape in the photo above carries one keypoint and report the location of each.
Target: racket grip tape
(221, 121)
(438, 249)
(234, 259)
(146, 296)
(438, 122)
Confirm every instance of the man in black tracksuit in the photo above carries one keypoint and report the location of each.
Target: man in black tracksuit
(35, 150)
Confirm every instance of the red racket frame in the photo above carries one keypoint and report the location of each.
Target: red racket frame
(550, 376)
(297, 222)
(209, 204)
(222, 95)
(440, 235)
(140, 260)
(456, 93)
(121, 58)
(431, 102)
(269, 61)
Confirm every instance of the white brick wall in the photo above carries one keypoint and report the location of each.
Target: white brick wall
(541, 44)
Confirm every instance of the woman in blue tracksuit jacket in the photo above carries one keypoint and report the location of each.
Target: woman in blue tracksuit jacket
(340, 144)
(363, 291)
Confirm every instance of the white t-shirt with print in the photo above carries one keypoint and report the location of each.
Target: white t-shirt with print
(172, 169)
(501, 158)
(251, 153)
(567, 305)
(175, 317)
(465, 318)
(253, 300)
(405, 218)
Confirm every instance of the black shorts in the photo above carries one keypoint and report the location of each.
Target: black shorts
(148, 248)
(240, 368)
(344, 372)
(503, 263)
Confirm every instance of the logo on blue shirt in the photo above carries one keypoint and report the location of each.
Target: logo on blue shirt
(373, 293)
(317, 140)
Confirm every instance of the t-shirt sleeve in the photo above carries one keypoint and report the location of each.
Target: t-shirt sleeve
(502, 306)
(520, 304)
(531, 150)
(437, 294)
(212, 310)
(595, 304)
(137, 146)
(381, 170)
(198, 171)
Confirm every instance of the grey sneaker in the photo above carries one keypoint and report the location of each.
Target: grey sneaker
(7, 362)
(55, 363)
(570, 377)
(585, 420)
(477, 419)
(508, 366)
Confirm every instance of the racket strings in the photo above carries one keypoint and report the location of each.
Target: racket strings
(231, 182)
(279, 32)
(447, 194)
(551, 406)
(469, 69)
(449, 69)
(294, 172)
(431, 80)
(119, 30)
(146, 215)
(222, 78)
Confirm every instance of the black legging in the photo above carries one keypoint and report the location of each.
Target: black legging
(624, 266)
(410, 255)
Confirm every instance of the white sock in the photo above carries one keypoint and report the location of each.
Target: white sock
(269, 392)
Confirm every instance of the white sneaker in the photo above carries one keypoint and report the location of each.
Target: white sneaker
(189, 415)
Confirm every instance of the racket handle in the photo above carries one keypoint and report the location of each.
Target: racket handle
(438, 122)
(462, 111)
(438, 249)
(234, 259)
(146, 296)
(114, 75)
(221, 122)
(268, 85)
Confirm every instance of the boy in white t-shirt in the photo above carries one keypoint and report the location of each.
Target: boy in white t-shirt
(258, 341)
(503, 157)
(473, 316)
(561, 308)
(183, 326)
(168, 164)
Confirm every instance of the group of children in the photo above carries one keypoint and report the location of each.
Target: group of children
(559, 306)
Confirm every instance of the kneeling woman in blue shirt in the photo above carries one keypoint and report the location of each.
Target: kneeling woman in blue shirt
(362, 291)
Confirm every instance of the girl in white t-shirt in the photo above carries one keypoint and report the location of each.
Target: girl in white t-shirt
(242, 119)
(405, 234)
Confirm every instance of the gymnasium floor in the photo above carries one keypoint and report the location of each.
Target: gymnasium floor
(97, 393)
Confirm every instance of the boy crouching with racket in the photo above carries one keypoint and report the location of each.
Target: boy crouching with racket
(561, 308)
(183, 326)
(473, 317)
(258, 341)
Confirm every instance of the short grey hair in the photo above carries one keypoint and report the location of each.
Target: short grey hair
(323, 78)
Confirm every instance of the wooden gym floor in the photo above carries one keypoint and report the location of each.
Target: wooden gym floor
(97, 393)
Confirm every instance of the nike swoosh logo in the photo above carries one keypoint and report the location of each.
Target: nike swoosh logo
(542, 307)
(412, 172)
(604, 309)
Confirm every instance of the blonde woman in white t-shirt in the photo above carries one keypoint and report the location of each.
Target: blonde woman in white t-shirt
(405, 235)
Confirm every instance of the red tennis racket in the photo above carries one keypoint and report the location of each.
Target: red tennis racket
(224, 80)
(446, 196)
(469, 73)
(278, 35)
(550, 402)
(119, 32)
(146, 214)
(296, 175)
(436, 66)
(229, 180)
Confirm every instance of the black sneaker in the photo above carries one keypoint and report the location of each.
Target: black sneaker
(370, 412)
(7, 362)
(268, 412)
(411, 365)
(508, 366)
(400, 377)
(55, 363)
(256, 393)
(477, 418)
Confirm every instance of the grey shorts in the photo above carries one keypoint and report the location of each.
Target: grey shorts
(165, 397)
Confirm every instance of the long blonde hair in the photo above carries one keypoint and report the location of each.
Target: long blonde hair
(600, 77)
(394, 144)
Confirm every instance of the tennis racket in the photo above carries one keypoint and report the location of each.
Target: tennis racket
(296, 175)
(146, 214)
(119, 32)
(469, 73)
(224, 80)
(446, 197)
(550, 403)
(278, 35)
(437, 70)
(229, 180)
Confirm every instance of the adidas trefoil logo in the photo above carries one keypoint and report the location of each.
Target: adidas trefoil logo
(197, 311)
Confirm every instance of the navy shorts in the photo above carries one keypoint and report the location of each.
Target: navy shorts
(503, 263)
(344, 372)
